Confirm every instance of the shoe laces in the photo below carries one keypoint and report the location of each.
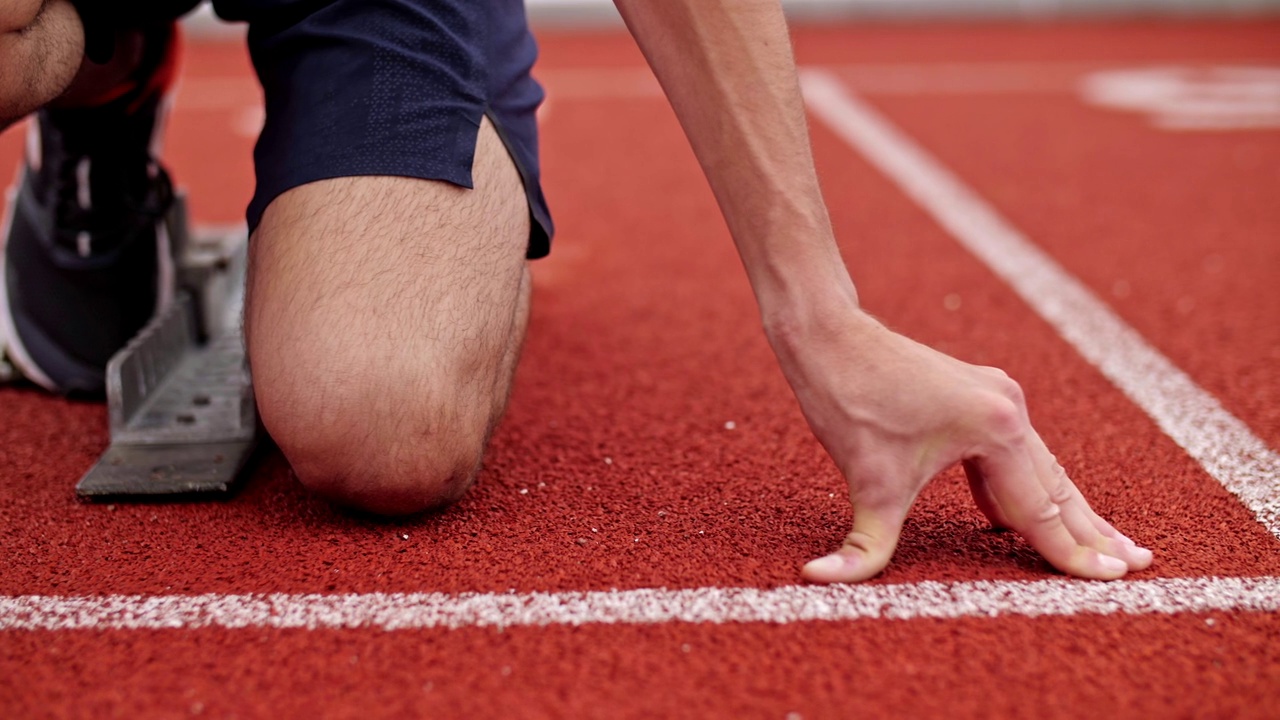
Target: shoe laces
(87, 222)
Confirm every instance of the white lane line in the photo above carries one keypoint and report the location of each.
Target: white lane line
(394, 611)
(1218, 97)
(1222, 444)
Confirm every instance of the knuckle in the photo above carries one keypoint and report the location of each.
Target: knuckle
(1004, 421)
(994, 372)
(1012, 391)
(1046, 513)
(1061, 489)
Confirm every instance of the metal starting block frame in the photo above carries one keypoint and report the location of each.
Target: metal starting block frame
(179, 395)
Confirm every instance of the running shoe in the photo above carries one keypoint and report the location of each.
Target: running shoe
(87, 256)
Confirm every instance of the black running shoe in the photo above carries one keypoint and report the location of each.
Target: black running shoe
(87, 257)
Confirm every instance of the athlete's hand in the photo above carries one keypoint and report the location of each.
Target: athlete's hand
(894, 413)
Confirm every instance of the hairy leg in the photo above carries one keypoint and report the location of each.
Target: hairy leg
(384, 321)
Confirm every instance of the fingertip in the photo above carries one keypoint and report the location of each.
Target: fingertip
(1134, 556)
(1111, 567)
(1140, 558)
(838, 567)
(824, 569)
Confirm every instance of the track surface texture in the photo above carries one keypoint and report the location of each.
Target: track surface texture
(652, 443)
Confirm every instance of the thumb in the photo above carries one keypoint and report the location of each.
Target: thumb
(866, 549)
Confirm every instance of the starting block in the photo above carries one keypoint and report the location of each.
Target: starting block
(179, 395)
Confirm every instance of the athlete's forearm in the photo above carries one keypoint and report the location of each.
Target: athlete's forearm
(728, 70)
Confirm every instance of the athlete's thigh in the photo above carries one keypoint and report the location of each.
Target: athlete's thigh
(391, 87)
(394, 288)
(397, 197)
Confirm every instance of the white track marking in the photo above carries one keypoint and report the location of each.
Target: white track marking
(956, 207)
(801, 603)
(1211, 121)
(1223, 445)
(1188, 98)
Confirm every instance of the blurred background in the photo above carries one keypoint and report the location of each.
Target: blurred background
(601, 13)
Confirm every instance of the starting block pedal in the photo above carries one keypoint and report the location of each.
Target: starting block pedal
(182, 414)
(179, 395)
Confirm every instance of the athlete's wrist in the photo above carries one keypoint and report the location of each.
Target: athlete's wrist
(821, 308)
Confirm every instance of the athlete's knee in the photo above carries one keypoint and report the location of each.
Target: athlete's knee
(366, 443)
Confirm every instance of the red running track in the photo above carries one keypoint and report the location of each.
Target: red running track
(615, 468)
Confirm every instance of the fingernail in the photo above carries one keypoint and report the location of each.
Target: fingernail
(1141, 554)
(826, 565)
(1112, 564)
(1127, 541)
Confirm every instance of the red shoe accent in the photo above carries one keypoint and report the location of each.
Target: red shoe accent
(165, 72)
(154, 75)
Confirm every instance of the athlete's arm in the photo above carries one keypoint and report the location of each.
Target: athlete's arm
(891, 412)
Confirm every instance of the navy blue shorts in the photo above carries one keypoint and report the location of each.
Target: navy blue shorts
(390, 87)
